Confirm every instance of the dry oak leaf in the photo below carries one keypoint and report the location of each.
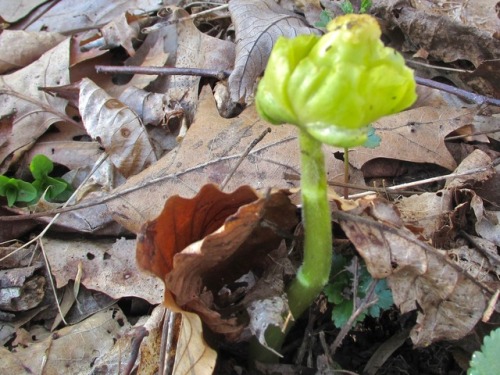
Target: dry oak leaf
(258, 24)
(416, 135)
(200, 245)
(449, 301)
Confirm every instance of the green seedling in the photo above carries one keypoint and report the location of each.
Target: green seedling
(348, 8)
(331, 87)
(340, 292)
(55, 189)
(16, 190)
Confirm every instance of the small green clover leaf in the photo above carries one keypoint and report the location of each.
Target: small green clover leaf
(486, 361)
(339, 293)
(324, 18)
(16, 190)
(55, 189)
(373, 139)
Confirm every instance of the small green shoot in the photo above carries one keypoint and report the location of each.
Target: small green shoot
(348, 8)
(55, 189)
(16, 190)
(340, 292)
(324, 19)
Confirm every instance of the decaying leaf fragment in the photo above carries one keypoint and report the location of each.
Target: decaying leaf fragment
(201, 247)
(449, 301)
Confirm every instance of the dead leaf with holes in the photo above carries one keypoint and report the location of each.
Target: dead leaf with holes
(108, 267)
(258, 24)
(117, 128)
(201, 247)
(449, 301)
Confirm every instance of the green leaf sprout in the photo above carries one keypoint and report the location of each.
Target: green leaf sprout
(331, 87)
(16, 190)
(55, 189)
(339, 293)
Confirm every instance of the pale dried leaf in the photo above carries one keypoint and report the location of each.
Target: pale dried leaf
(488, 222)
(153, 108)
(32, 111)
(12, 11)
(65, 16)
(258, 24)
(117, 129)
(194, 356)
(478, 14)
(29, 47)
(450, 303)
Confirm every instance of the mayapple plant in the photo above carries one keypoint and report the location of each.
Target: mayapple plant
(331, 87)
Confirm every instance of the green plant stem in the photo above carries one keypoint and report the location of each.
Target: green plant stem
(315, 270)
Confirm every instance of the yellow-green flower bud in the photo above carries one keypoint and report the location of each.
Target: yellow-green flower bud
(335, 85)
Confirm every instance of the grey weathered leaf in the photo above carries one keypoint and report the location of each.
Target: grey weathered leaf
(258, 24)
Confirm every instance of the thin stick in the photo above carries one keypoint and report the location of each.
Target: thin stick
(243, 156)
(475, 98)
(428, 180)
(135, 188)
(162, 71)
